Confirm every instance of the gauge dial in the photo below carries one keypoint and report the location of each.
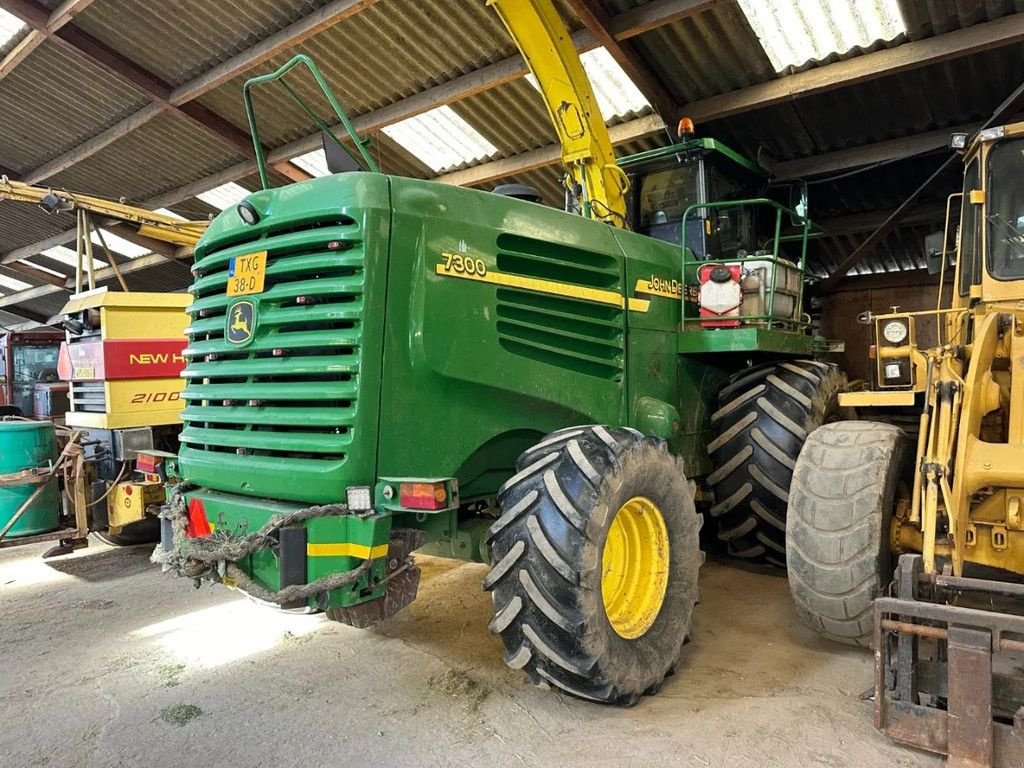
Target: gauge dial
(894, 331)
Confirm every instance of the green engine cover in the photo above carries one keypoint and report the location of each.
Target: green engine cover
(412, 329)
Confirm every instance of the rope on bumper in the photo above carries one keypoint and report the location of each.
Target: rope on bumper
(216, 555)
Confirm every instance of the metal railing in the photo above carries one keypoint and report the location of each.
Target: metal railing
(361, 145)
(769, 319)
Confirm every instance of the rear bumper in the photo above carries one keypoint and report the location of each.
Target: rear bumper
(303, 553)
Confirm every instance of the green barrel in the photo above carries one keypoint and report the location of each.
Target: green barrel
(27, 445)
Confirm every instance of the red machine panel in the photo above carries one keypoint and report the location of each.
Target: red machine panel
(114, 360)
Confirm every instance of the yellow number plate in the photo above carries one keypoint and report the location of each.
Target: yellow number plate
(247, 274)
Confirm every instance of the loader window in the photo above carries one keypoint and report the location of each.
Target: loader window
(1005, 210)
(970, 232)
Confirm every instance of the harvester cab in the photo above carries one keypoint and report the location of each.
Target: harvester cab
(378, 365)
(944, 496)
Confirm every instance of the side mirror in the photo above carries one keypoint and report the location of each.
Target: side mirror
(934, 248)
(338, 158)
(798, 202)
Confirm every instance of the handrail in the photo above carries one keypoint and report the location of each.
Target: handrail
(261, 160)
(774, 258)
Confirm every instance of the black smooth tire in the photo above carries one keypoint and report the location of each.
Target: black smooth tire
(145, 531)
(840, 507)
(546, 558)
(764, 415)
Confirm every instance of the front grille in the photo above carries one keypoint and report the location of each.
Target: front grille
(288, 398)
(88, 397)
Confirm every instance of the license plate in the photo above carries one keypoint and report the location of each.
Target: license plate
(246, 274)
(84, 373)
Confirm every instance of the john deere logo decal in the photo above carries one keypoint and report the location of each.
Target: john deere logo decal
(241, 322)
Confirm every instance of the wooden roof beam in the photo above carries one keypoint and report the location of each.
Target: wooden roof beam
(624, 26)
(278, 43)
(60, 16)
(597, 20)
(148, 84)
(870, 66)
(1010, 106)
(657, 13)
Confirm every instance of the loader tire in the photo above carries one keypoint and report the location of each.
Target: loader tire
(575, 608)
(764, 415)
(840, 506)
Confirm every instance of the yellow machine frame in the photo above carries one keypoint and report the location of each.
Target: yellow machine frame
(587, 153)
(156, 226)
(966, 502)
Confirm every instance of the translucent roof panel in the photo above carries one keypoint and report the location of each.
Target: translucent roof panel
(441, 139)
(313, 163)
(616, 93)
(65, 255)
(224, 196)
(10, 25)
(795, 33)
(119, 245)
(13, 284)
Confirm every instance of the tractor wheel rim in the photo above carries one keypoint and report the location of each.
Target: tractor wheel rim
(634, 567)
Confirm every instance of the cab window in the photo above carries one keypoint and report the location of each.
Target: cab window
(664, 197)
(1005, 210)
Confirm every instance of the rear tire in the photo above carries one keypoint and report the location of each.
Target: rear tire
(764, 416)
(550, 573)
(841, 503)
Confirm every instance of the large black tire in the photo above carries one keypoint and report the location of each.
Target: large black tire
(764, 415)
(840, 507)
(547, 563)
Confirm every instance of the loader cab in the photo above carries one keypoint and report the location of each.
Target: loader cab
(665, 182)
(990, 230)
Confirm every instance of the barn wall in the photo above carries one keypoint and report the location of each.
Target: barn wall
(911, 292)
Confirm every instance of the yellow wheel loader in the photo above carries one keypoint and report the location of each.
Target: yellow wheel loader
(945, 500)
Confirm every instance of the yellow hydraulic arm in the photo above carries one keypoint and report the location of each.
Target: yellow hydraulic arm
(147, 223)
(542, 38)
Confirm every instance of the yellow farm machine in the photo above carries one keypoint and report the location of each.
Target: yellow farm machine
(944, 500)
(102, 468)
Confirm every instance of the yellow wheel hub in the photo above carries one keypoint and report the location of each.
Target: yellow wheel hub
(634, 567)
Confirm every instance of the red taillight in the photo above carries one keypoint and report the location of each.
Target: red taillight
(423, 495)
(198, 525)
(144, 462)
(65, 370)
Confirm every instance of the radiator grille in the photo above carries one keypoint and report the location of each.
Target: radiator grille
(291, 393)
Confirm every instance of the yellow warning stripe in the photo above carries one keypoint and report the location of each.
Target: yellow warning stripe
(552, 287)
(346, 549)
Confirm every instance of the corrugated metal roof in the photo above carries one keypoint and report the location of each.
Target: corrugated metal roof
(172, 151)
(193, 35)
(793, 34)
(54, 100)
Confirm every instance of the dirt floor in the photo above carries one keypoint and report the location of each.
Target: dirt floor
(106, 662)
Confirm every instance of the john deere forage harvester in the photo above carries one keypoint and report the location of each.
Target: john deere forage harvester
(378, 365)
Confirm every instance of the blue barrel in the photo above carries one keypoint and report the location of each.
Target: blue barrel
(28, 445)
